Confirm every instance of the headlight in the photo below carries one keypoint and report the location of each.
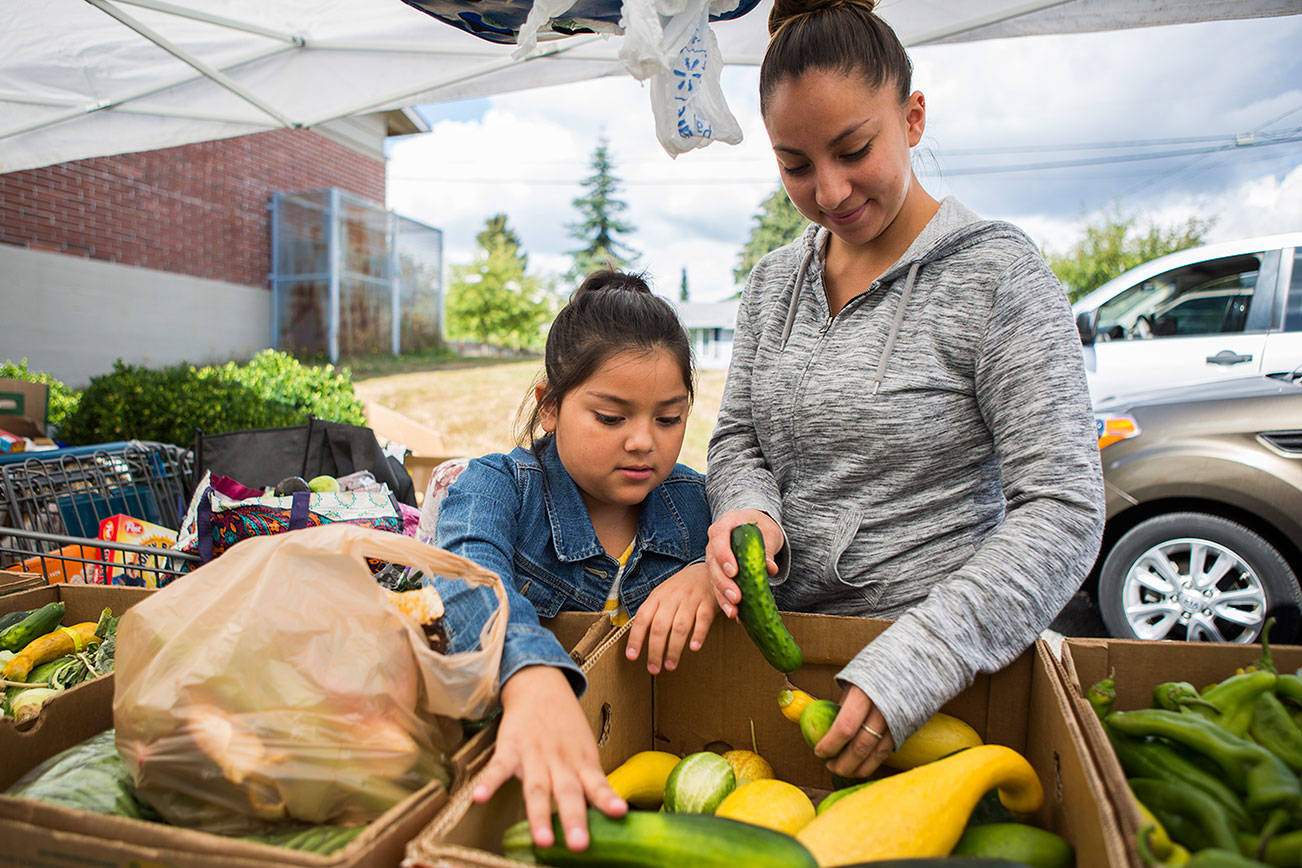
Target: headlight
(1115, 428)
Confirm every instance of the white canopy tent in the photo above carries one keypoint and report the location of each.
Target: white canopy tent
(84, 78)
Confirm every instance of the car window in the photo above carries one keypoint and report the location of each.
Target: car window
(1293, 308)
(1206, 298)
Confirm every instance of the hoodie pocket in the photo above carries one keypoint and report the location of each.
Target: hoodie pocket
(820, 538)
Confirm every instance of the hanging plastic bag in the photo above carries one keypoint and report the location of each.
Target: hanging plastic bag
(687, 99)
(279, 682)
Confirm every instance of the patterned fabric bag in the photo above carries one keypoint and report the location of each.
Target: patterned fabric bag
(223, 512)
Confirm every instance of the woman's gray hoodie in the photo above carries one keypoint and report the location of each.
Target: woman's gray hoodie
(929, 452)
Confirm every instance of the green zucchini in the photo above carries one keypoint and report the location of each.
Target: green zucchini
(90, 776)
(10, 618)
(647, 839)
(35, 625)
(757, 611)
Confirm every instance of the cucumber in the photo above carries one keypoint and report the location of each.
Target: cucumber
(35, 625)
(11, 618)
(817, 719)
(757, 611)
(90, 776)
(646, 839)
(1018, 842)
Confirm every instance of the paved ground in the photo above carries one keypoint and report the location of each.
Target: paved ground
(1080, 617)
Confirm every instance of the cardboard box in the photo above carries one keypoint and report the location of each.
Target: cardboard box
(13, 581)
(1137, 666)
(23, 407)
(683, 710)
(41, 834)
(81, 603)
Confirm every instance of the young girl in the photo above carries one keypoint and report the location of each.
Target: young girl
(594, 514)
(905, 414)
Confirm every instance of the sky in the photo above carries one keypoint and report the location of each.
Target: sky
(1212, 101)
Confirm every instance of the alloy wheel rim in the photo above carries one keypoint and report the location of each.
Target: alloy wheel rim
(1195, 589)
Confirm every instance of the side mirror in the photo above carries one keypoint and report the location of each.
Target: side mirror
(1085, 325)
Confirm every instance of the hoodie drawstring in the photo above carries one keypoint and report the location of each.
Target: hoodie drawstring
(795, 294)
(895, 326)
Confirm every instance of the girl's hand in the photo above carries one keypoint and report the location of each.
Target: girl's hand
(718, 553)
(680, 609)
(855, 752)
(544, 740)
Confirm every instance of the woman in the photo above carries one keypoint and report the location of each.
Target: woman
(906, 415)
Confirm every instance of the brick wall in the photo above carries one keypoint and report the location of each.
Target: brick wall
(197, 209)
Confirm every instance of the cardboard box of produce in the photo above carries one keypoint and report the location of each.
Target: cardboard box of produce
(717, 694)
(23, 407)
(42, 834)
(82, 603)
(1138, 666)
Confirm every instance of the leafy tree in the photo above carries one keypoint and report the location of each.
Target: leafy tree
(1114, 244)
(599, 207)
(777, 223)
(492, 300)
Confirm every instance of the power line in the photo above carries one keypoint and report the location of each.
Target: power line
(1248, 142)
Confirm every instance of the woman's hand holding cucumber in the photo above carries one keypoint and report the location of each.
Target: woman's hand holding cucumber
(721, 562)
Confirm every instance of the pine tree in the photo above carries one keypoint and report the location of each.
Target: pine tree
(682, 286)
(777, 223)
(599, 207)
(492, 300)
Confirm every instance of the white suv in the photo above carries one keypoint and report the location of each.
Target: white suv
(1206, 313)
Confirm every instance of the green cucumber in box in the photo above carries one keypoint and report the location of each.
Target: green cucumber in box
(699, 783)
(757, 611)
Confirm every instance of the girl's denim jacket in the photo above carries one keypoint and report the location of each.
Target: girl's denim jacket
(523, 518)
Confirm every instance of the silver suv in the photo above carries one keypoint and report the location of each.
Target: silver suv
(1208, 313)
(1204, 511)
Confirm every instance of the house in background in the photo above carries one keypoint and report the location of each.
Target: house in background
(213, 251)
(710, 327)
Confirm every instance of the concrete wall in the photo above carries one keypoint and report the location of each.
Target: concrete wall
(71, 317)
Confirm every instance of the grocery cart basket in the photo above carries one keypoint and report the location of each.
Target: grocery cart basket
(52, 503)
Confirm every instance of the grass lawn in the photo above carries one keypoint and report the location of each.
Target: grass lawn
(474, 403)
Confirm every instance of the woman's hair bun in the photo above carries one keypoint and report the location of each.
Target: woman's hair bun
(786, 10)
(610, 279)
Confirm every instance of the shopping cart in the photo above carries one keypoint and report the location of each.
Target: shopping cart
(52, 503)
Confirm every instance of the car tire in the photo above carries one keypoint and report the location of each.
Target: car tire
(1138, 600)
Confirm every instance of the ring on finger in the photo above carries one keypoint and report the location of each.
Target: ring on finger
(874, 733)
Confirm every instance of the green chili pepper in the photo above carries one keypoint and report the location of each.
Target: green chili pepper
(1284, 851)
(1149, 758)
(1273, 729)
(1234, 698)
(1263, 778)
(1289, 686)
(1189, 816)
(1219, 858)
(1177, 695)
(1102, 695)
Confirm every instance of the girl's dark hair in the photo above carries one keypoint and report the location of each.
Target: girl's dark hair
(610, 313)
(842, 36)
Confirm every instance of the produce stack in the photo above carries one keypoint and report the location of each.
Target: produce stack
(41, 656)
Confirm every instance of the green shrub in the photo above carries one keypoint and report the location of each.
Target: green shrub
(62, 400)
(273, 389)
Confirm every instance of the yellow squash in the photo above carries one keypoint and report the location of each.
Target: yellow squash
(792, 701)
(57, 643)
(640, 780)
(940, 736)
(920, 812)
(770, 803)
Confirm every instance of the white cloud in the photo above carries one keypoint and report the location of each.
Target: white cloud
(527, 151)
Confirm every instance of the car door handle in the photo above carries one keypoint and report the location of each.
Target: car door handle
(1228, 357)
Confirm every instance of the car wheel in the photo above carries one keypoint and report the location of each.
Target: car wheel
(1196, 577)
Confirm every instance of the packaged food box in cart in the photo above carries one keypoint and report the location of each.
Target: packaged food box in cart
(727, 693)
(133, 568)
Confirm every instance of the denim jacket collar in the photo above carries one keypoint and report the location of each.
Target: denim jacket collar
(661, 528)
